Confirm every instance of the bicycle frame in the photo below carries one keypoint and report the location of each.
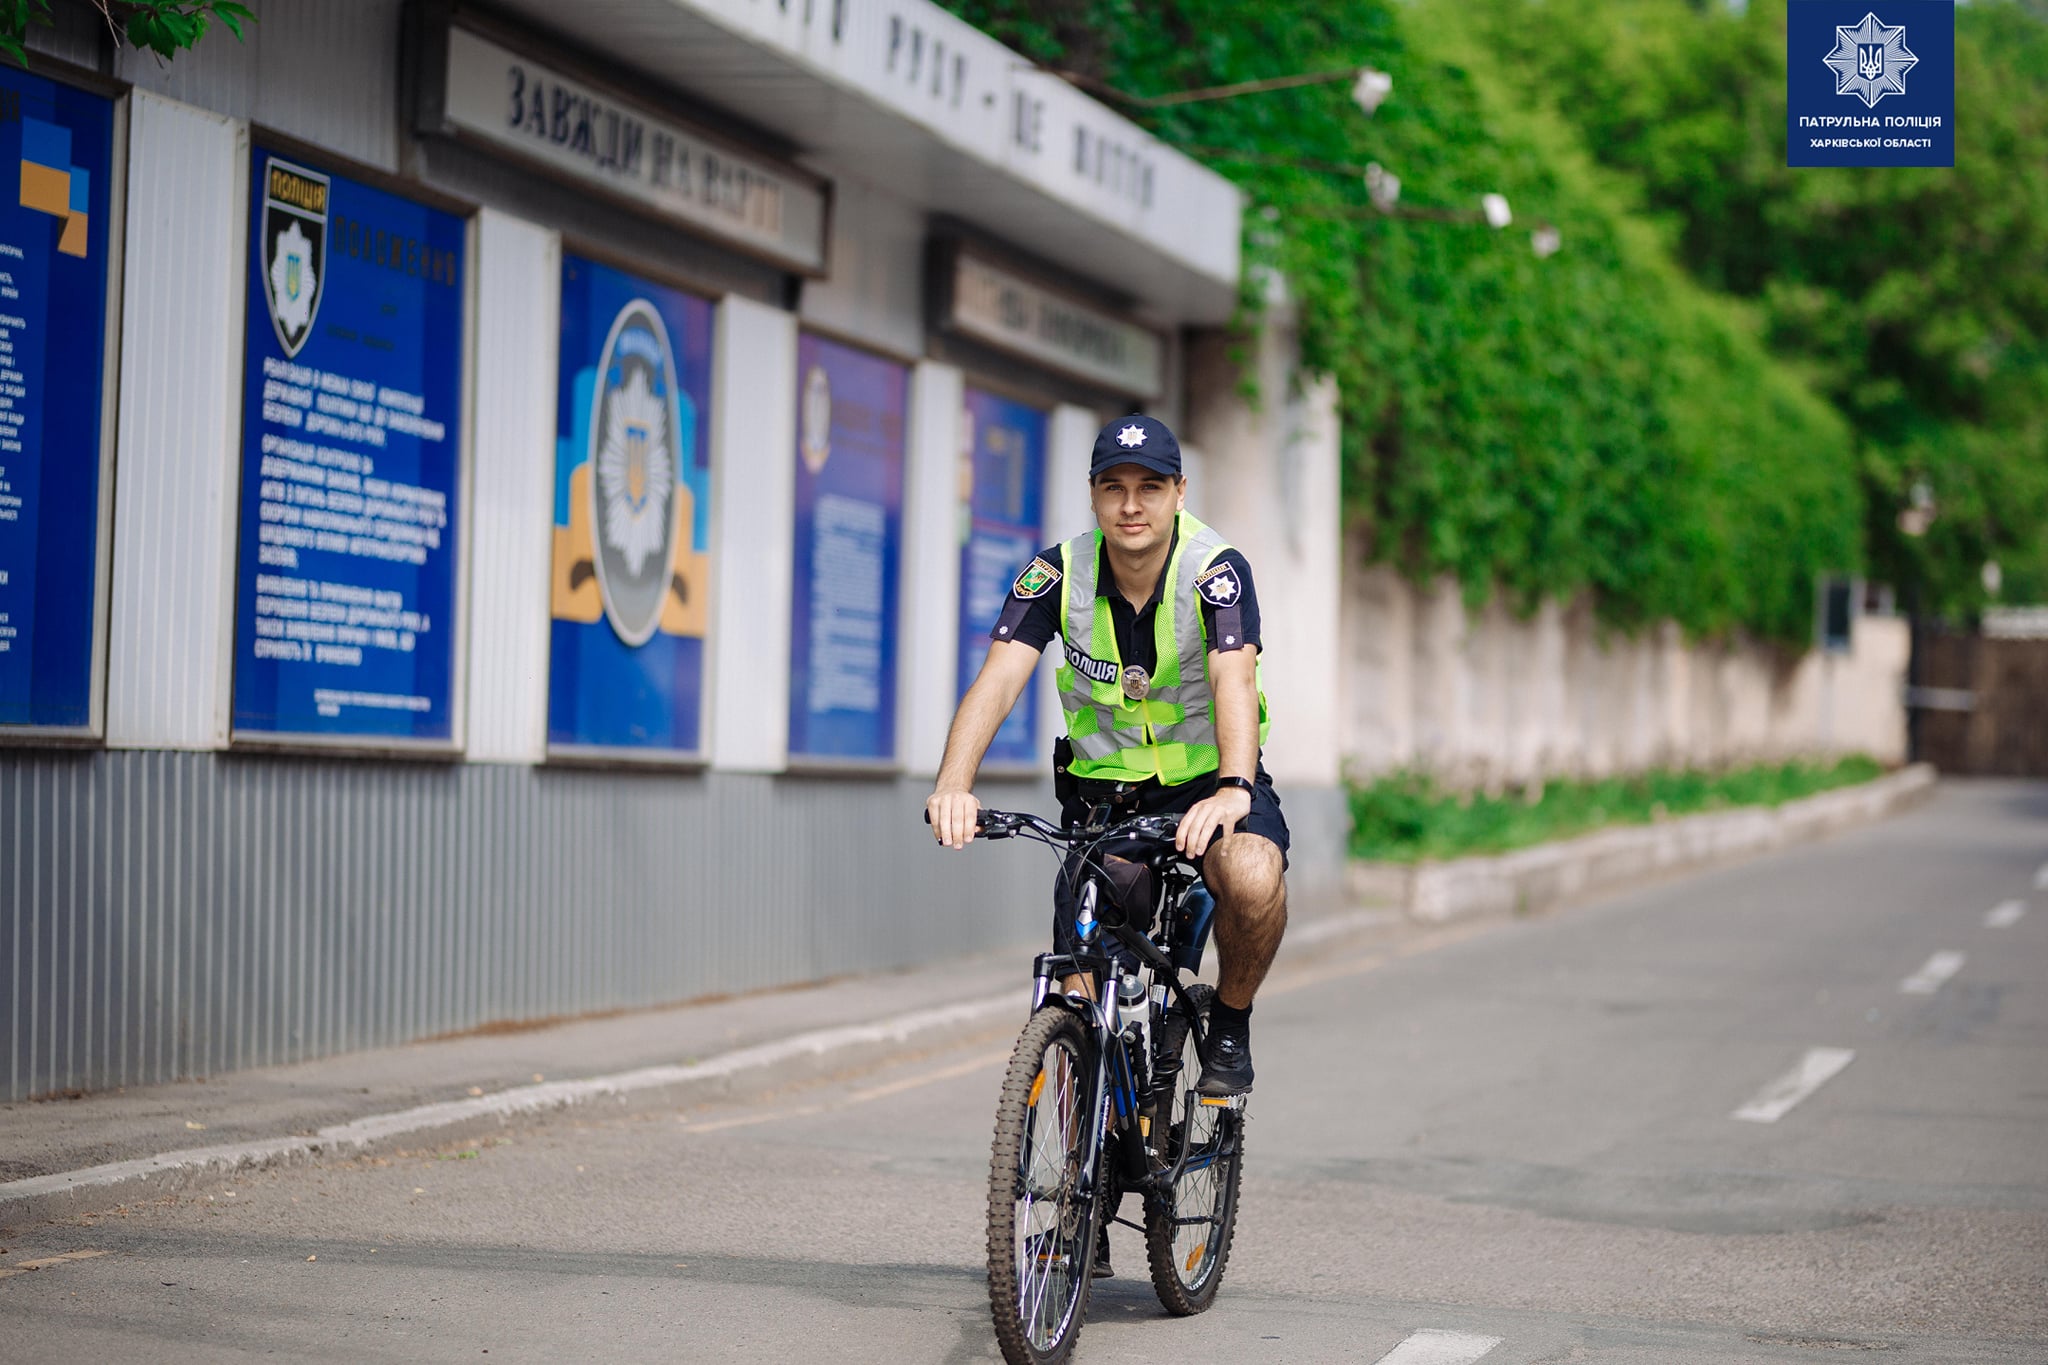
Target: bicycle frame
(1115, 1082)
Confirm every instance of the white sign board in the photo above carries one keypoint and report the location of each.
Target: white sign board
(1002, 309)
(585, 134)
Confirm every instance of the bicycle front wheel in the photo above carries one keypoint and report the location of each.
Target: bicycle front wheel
(1041, 1229)
(1188, 1228)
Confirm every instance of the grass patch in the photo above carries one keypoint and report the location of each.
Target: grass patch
(1405, 817)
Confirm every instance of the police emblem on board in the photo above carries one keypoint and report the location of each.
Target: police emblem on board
(1220, 586)
(1870, 60)
(636, 452)
(295, 249)
(815, 440)
(1036, 580)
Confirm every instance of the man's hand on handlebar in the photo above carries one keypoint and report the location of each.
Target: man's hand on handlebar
(953, 816)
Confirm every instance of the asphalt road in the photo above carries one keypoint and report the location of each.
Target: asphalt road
(1519, 1132)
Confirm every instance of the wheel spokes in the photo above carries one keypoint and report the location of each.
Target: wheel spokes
(1047, 1183)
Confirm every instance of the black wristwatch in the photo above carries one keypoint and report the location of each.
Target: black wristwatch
(1243, 784)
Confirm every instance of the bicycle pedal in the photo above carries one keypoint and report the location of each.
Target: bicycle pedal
(1224, 1101)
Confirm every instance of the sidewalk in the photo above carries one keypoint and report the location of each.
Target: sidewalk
(63, 1157)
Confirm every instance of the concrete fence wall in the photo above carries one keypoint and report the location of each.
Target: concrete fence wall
(1485, 698)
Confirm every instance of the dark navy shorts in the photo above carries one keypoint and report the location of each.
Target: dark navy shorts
(1153, 798)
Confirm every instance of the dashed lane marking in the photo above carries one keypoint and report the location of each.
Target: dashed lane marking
(1435, 1346)
(1933, 973)
(1819, 1066)
(2041, 878)
(982, 1062)
(749, 1120)
(944, 1073)
(45, 1262)
(2005, 914)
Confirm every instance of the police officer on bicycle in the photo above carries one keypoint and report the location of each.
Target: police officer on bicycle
(1160, 686)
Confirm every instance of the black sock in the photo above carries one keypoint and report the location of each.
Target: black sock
(1225, 1020)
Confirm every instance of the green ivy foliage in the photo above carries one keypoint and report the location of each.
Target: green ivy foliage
(1915, 300)
(1592, 423)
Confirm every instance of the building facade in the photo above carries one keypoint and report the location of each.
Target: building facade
(498, 503)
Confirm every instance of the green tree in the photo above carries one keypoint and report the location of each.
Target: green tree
(1591, 423)
(165, 27)
(1915, 300)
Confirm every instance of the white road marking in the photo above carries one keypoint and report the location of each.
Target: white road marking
(44, 1263)
(1819, 1066)
(944, 1073)
(2005, 914)
(1933, 973)
(2041, 878)
(749, 1120)
(1434, 1346)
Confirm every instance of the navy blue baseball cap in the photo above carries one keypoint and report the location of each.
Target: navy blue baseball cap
(1136, 439)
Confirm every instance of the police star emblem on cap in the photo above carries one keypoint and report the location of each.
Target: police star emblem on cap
(1131, 437)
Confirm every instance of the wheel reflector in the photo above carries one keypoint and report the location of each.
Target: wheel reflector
(1037, 1088)
(1195, 1257)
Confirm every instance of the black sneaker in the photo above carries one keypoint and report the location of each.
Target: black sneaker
(1227, 1070)
(1102, 1270)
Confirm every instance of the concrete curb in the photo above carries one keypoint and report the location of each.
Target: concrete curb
(803, 1057)
(1539, 878)
(766, 1066)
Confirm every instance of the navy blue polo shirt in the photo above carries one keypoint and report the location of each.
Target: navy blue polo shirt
(1031, 614)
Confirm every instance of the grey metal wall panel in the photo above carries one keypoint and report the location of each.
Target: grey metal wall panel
(169, 914)
(75, 34)
(174, 488)
(326, 71)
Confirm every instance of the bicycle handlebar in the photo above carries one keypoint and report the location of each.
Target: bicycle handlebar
(1006, 824)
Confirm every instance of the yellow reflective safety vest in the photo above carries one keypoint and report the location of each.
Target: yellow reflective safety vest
(1169, 733)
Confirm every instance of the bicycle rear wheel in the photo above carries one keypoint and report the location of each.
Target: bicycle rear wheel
(1041, 1230)
(1188, 1229)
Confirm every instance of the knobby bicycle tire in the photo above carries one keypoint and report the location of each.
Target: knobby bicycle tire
(1187, 1272)
(1039, 1273)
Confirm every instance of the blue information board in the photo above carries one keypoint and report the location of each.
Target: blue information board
(631, 585)
(56, 170)
(849, 515)
(345, 587)
(1005, 520)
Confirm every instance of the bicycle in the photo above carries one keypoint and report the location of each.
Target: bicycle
(1099, 1098)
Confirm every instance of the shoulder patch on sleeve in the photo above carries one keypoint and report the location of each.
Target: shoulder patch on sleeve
(1036, 580)
(1220, 585)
